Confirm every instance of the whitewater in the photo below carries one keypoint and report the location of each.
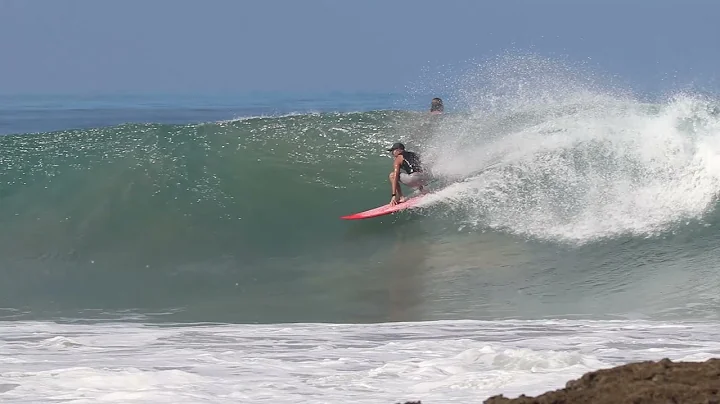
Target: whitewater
(190, 250)
(459, 361)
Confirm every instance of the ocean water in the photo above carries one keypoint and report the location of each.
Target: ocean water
(188, 249)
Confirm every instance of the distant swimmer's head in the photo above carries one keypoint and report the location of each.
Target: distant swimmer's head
(436, 106)
(397, 148)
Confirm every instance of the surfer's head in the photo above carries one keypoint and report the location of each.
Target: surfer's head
(436, 106)
(397, 148)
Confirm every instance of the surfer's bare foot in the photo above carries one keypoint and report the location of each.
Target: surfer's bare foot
(420, 191)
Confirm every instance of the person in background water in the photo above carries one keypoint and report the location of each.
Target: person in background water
(436, 106)
(411, 175)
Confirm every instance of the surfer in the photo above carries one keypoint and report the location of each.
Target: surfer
(412, 176)
(436, 106)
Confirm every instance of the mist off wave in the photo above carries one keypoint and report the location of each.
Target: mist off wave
(548, 153)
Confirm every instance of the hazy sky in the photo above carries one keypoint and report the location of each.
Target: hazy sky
(107, 46)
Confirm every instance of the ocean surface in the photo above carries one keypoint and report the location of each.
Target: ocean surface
(188, 249)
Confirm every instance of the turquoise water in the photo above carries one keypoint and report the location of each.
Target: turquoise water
(583, 212)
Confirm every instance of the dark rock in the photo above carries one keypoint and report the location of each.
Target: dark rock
(637, 383)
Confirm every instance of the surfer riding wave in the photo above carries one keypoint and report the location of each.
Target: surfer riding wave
(407, 169)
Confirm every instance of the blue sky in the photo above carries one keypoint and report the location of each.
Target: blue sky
(91, 46)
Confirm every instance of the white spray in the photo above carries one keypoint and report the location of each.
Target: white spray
(569, 160)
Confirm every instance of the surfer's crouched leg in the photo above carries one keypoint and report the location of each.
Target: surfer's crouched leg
(414, 180)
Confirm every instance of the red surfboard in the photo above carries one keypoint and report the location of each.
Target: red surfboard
(384, 210)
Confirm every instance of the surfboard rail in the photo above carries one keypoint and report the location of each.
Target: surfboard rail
(384, 209)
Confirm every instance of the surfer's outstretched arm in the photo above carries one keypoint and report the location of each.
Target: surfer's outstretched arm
(395, 181)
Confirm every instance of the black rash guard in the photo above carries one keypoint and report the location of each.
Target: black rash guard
(411, 162)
